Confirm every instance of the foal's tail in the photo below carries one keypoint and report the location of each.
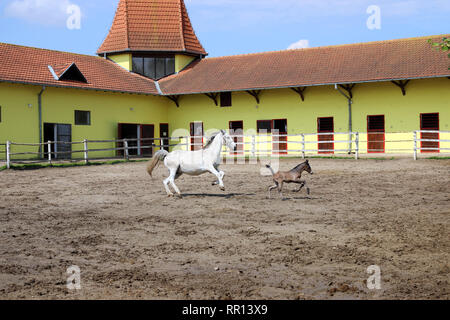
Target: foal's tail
(270, 168)
(159, 156)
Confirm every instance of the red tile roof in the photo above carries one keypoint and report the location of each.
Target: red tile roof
(373, 61)
(30, 65)
(364, 62)
(151, 25)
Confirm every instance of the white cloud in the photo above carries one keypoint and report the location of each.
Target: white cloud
(301, 44)
(46, 12)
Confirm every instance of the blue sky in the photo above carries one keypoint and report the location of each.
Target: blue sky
(227, 27)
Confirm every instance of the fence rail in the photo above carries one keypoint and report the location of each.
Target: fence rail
(353, 144)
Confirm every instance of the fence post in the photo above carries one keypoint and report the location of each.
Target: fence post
(357, 146)
(303, 146)
(49, 151)
(415, 145)
(253, 146)
(125, 151)
(188, 144)
(8, 154)
(86, 159)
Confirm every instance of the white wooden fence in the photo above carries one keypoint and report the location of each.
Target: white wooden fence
(262, 145)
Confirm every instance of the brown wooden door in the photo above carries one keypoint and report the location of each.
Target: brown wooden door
(237, 132)
(147, 134)
(164, 135)
(279, 128)
(375, 134)
(325, 125)
(196, 135)
(429, 121)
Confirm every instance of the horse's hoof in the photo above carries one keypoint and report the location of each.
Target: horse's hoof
(170, 195)
(308, 191)
(222, 188)
(179, 196)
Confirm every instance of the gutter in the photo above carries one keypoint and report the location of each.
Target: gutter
(40, 119)
(158, 88)
(350, 122)
(73, 87)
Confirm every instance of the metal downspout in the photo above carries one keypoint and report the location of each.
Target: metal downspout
(40, 120)
(350, 123)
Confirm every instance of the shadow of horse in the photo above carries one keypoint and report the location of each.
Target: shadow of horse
(302, 198)
(214, 195)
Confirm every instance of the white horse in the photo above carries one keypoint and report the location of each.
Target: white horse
(194, 163)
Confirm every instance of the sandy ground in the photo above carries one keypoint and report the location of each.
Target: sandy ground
(132, 242)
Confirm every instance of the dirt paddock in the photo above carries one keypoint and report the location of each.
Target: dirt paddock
(132, 242)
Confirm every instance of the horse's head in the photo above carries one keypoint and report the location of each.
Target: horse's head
(228, 141)
(307, 167)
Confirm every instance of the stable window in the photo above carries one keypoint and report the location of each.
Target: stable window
(148, 68)
(138, 65)
(82, 118)
(264, 126)
(325, 125)
(225, 99)
(429, 121)
(154, 67)
(375, 123)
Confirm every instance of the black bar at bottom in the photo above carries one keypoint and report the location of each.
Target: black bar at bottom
(175, 310)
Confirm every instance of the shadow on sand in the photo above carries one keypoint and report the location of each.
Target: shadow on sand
(302, 198)
(227, 195)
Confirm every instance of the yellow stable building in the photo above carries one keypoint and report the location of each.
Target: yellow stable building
(147, 84)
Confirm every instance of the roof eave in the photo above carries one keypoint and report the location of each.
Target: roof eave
(75, 87)
(153, 51)
(308, 85)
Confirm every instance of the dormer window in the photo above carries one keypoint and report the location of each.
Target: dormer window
(154, 67)
(67, 72)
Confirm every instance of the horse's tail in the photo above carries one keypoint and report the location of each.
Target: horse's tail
(270, 168)
(159, 156)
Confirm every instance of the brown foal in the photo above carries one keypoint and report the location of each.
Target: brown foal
(292, 176)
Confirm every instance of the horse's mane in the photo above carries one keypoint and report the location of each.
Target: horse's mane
(299, 166)
(210, 140)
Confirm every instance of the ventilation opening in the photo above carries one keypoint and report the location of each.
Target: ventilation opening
(429, 121)
(375, 123)
(67, 72)
(225, 99)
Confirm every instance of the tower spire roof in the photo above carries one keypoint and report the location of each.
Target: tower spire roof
(151, 26)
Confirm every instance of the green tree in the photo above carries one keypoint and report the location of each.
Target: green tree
(444, 46)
